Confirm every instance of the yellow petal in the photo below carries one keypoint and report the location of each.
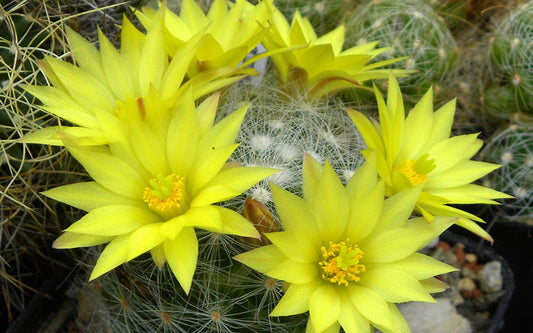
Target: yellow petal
(262, 259)
(87, 196)
(234, 223)
(153, 60)
(110, 172)
(295, 246)
(295, 300)
(433, 285)
(182, 255)
(294, 272)
(351, 320)
(145, 239)
(451, 151)
(442, 124)
(330, 205)
(365, 213)
(113, 220)
(324, 307)
(370, 136)
(70, 240)
(114, 254)
(462, 173)
(295, 214)
(116, 71)
(85, 54)
(398, 243)
(363, 180)
(371, 305)
(418, 265)
(394, 285)
(417, 125)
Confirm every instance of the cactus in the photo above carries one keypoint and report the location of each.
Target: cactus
(511, 54)
(513, 149)
(414, 30)
(324, 15)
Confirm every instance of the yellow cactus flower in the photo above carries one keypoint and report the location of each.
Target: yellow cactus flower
(232, 33)
(319, 66)
(156, 180)
(417, 150)
(93, 87)
(347, 254)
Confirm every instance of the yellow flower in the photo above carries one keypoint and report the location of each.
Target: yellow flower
(348, 254)
(418, 150)
(93, 87)
(319, 66)
(156, 180)
(230, 37)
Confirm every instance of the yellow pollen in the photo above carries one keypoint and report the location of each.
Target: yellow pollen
(166, 195)
(340, 263)
(416, 170)
(408, 170)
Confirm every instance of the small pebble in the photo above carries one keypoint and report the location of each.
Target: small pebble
(470, 258)
(490, 277)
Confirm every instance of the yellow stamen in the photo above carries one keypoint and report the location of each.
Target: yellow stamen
(340, 263)
(166, 195)
(416, 170)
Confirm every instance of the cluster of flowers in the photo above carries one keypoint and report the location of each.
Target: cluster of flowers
(143, 128)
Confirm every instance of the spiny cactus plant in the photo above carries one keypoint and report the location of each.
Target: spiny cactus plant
(413, 30)
(511, 52)
(324, 15)
(513, 149)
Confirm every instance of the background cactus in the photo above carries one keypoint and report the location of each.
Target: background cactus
(511, 55)
(513, 149)
(413, 30)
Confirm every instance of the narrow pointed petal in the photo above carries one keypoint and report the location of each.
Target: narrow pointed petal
(295, 214)
(451, 151)
(85, 54)
(398, 243)
(145, 239)
(442, 124)
(462, 173)
(330, 202)
(262, 259)
(294, 272)
(70, 240)
(371, 305)
(113, 220)
(234, 223)
(417, 123)
(182, 255)
(363, 180)
(311, 174)
(295, 300)
(116, 74)
(418, 265)
(351, 320)
(120, 178)
(295, 246)
(364, 213)
(87, 196)
(158, 255)
(434, 285)
(114, 254)
(394, 285)
(324, 307)
(370, 136)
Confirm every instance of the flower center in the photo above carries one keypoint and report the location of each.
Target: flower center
(166, 195)
(416, 170)
(340, 263)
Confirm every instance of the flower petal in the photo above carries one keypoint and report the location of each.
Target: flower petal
(114, 254)
(182, 256)
(329, 205)
(113, 220)
(295, 214)
(418, 265)
(262, 259)
(324, 307)
(295, 246)
(120, 178)
(145, 239)
(69, 240)
(371, 305)
(294, 272)
(365, 213)
(462, 173)
(398, 243)
(351, 320)
(88, 196)
(449, 152)
(394, 285)
(295, 300)
(234, 223)
(417, 123)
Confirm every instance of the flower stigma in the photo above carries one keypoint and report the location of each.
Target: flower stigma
(340, 263)
(416, 170)
(166, 195)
